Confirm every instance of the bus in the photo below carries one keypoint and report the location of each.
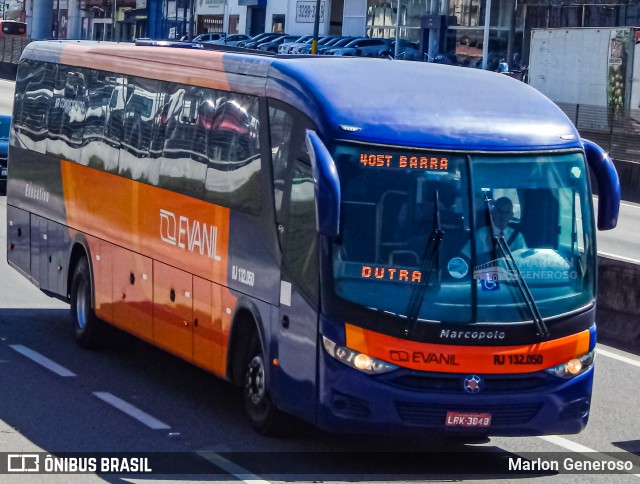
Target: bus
(308, 228)
(12, 28)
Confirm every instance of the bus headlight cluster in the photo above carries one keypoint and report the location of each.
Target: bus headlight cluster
(573, 367)
(354, 359)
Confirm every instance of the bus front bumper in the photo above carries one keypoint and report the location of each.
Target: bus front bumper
(350, 401)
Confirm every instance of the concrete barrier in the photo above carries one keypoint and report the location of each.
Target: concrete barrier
(618, 313)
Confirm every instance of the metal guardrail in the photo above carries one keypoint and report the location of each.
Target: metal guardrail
(616, 130)
(11, 49)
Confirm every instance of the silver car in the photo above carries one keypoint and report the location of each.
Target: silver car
(364, 47)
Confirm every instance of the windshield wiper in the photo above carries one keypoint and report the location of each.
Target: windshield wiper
(541, 328)
(429, 259)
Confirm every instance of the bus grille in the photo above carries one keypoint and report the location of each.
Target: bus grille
(435, 415)
(454, 383)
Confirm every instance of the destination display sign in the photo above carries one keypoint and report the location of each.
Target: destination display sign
(410, 161)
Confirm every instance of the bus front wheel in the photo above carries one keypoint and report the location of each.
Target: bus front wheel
(86, 326)
(264, 416)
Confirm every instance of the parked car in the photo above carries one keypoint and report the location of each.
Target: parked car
(341, 42)
(287, 46)
(305, 48)
(272, 46)
(324, 41)
(256, 38)
(364, 47)
(5, 124)
(407, 51)
(232, 39)
(255, 44)
(209, 37)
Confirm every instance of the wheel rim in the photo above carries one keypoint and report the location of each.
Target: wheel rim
(255, 383)
(81, 304)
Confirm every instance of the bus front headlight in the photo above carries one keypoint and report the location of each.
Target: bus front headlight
(574, 366)
(359, 361)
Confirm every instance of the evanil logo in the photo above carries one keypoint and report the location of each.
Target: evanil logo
(191, 235)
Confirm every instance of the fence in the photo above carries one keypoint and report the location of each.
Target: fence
(11, 48)
(617, 131)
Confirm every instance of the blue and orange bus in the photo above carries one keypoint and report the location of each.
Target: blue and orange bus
(322, 232)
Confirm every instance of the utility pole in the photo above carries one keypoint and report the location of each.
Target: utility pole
(316, 29)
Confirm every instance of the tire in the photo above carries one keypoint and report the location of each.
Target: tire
(264, 416)
(87, 328)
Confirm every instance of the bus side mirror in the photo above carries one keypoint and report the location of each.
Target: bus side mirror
(608, 184)
(327, 186)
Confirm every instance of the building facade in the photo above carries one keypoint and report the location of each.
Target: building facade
(476, 33)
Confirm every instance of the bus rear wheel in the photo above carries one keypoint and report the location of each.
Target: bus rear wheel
(87, 328)
(264, 416)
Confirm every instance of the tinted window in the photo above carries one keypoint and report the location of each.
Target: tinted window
(95, 152)
(281, 126)
(67, 114)
(140, 115)
(34, 89)
(182, 167)
(233, 173)
(300, 247)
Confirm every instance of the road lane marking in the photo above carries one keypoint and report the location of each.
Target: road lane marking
(42, 360)
(132, 411)
(618, 357)
(579, 448)
(233, 469)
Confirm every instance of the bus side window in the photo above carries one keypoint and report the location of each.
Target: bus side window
(300, 248)
(73, 120)
(234, 169)
(287, 131)
(180, 167)
(100, 87)
(138, 127)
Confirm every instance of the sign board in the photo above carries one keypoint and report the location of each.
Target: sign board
(306, 11)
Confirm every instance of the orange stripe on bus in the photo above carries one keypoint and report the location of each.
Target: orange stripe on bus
(142, 218)
(130, 216)
(467, 359)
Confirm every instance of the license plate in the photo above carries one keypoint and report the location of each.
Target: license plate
(457, 419)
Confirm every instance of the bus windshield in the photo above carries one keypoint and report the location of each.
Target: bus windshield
(397, 203)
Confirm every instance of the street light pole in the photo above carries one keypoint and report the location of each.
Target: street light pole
(114, 20)
(57, 36)
(397, 50)
(485, 39)
(316, 29)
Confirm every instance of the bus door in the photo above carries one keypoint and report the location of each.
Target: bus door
(296, 328)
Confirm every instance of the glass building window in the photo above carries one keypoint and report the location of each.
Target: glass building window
(381, 18)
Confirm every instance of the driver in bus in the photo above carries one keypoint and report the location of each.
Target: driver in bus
(501, 215)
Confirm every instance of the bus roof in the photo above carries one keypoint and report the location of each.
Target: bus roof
(382, 101)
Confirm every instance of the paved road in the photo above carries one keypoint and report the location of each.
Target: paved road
(623, 242)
